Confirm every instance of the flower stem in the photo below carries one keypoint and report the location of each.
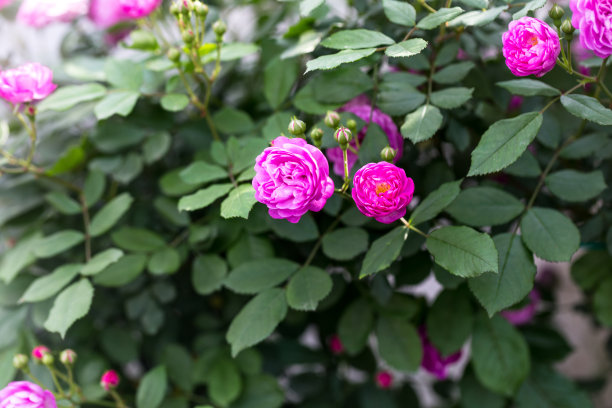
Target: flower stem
(413, 228)
(346, 184)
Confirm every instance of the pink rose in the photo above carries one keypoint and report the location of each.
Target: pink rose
(139, 8)
(4, 3)
(110, 379)
(361, 107)
(39, 13)
(594, 20)
(27, 83)
(384, 379)
(524, 315)
(382, 190)
(531, 47)
(23, 394)
(39, 352)
(106, 13)
(433, 362)
(292, 178)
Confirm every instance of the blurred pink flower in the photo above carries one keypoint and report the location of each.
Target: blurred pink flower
(515, 103)
(594, 20)
(39, 351)
(27, 83)
(39, 13)
(4, 3)
(433, 362)
(138, 8)
(24, 394)
(384, 379)
(106, 13)
(524, 315)
(335, 344)
(110, 379)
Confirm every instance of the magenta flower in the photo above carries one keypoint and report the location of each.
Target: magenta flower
(110, 379)
(515, 103)
(531, 47)
(292, 178)
(524, 315)
(23, 394)
(138, 8)
(4, 3)
(106, 13)
(39, 13)
(382, 190)
(361, 107)
(384, 379)
(39, 351)
(335, 344)
(27, 83)
(433, 362)
(594, 20)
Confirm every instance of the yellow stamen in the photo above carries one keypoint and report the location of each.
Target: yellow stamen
(382, 188)
(533, 40)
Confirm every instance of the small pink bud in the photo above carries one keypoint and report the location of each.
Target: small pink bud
(39, 352)
(384, 379)
(68, 357)
(515, 103)
(110, 379)
(335, 344)
(343, 136)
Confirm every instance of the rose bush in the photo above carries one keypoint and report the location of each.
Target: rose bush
(304, 203)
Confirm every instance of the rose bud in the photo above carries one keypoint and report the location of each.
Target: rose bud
(39, 352)
(48, 359)
(343, 136)
(219, 28)
(332, 119)
(297, 127)
(68, 357)
(20, 361)
(388, 154)
(317, 136)
(201, 10)
(110, 379)
(384, 379)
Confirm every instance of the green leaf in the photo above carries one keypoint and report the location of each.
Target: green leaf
(587, 107)
(436, 202)
(260, 391)
(137, 239)
(546, 388)
(208, 273)
(399, 344)
(530, 6)
(174, 102)
(406, 48)
(242, 151)
(590, 269)
(450, 321)
(340, 85)
(306, 44)
(108, 216)
(575, 186)
(124, 74)
(116, 103)
(307, 288)
(308, 6)
(439, 17)
(46, 286)
(453, 73)
(93, 189)
(525, 166)
(334, 60)
(504, 142)
(164, 261)
(233, 51)
(152, 388)
(63, 203)
(398, 95)
(602, 302)
(585, 146)
(451, 98)
(483, 206)
(462, 251)
(255, 276)
(203, 198)
(550, 235)
(239, 202)
(399, 12)
(383, 252)
(355, 39)
(69, 306)
(122, 272)
(69, 96)
(303, 231)
(529, 87)
(224, 381)
(499, 355)
(179, 365)
(71, 159)
(355, 325)
(18, 257)
(474, 395)
(57, 243)
(279, 77)
(345, 244)
(257, 319)
(422, 124)
(233, 121)
(514, 281)
(142, 40)
(200, 172)
(156, 146)
(477, 18)
(101, 261)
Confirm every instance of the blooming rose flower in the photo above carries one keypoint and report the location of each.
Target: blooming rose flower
(384, 379)
(524, 315)
(106, 13)
(23, 394)
(531, 47)
(382, 190)
(594, 20)
(433, 362)
(292, 178)
(27, 83)
(138, 8)
(39, 351)
(110, 379)
(39, 13)
(4, 3)
(361, 107)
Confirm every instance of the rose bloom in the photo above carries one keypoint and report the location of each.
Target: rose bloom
(531, 47)
(382, 190)
(594, 20)
(292, 178)
(110, 379)
(39, 13)
(27, 83)
(138, 8)
(23, 394)
(4, 3)
(433, 362)
(524, 315)
(106, 13)
(361, 107)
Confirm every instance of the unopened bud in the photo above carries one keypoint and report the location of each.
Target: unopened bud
(317, 136)
(110, 379)
(343, 136)
(68, 357)
(384, 379)
(48, 359)
(173, 55)
(388, 154)
(201, 10)
(297, 127)
(39, 352)
(20, 361)
(332, 119)
(175, 9)
(188, 37)
(352, 125)
(31, 111)
(556, 12)
(219, 28)
(568, 28)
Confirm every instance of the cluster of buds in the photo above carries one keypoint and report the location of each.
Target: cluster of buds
(557, 13)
